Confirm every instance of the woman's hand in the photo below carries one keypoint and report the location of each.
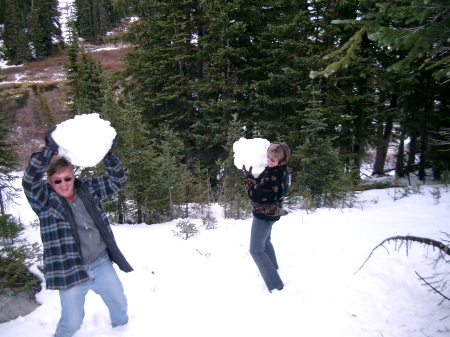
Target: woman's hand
(245, 170)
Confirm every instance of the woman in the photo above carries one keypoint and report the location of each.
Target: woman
(266, 194)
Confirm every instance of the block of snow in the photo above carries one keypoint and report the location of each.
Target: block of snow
(251, 152)
(85, 139)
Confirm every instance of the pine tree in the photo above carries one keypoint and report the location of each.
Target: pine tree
(71, 67)
(321, 168)
(44, 28)
(14, 37)
(84, 72)
(233, 197)
(167, 170)
(134, 150)
(159, 73)
(93, 18)
(44, 107)
(8, 164)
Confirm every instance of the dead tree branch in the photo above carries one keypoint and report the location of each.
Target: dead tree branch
(432, 287)
(409, 239)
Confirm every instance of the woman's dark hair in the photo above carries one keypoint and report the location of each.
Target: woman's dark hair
(279, 151)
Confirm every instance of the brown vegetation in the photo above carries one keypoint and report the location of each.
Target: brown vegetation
(19, 88)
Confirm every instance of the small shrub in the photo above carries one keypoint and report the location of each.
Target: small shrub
(209, 222)
(445, 179)
(436, 193)
(14, 264)
(186, 229)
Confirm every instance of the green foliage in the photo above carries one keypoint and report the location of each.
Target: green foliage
(445, 179)
(14, 37)
(186, 229)
(15, 259)
(44, 28)
(436, 193)
(166, 191)
(233, 197)
(32, 30)
(8, 163)
(10, 228)
(209, 222)
(14, 264)
(322, 170)
(92, 19)
(85, 75)
(44, 107)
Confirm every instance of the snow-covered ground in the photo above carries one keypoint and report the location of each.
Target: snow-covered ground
(209, 285)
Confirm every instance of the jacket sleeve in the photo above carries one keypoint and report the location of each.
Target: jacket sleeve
(109, 184)
(33, 185)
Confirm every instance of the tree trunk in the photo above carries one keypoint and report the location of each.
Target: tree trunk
(399, 164)
(384, 139)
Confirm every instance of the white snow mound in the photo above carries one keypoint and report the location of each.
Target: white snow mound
(251, 152)
(85, 139)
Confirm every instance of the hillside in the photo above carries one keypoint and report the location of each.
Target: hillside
(19, 89)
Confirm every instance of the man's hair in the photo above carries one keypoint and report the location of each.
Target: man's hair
(279, 151)
(58, 165)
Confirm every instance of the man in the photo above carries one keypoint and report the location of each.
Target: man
(78, 242)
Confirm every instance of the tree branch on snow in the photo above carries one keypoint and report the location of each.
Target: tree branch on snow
(428, 284)
(444, 249)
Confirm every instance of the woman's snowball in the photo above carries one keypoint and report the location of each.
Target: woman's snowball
(251, 152)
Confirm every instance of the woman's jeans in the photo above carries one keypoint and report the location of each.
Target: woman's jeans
(263, 253)
(104, 282)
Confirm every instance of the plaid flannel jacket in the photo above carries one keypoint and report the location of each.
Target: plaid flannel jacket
(62, 260)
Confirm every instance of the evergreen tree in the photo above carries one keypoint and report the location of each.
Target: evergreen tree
(44, 28)
(90, 73)
(228, 47)
(44, 108)
(71, 68)
(84, 72)
(8, 164)
(159, 71)
(14, 36)
(165, 188)
(134, 150)
(321, 169)
(233, 197)
(93, 18)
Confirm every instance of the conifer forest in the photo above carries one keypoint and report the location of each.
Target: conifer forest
(355, 88)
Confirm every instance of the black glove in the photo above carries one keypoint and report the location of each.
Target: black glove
(245, 170)
(114, 143)
(49, 141)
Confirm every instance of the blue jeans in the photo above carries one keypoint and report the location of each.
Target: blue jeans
(263, 253)
(104, 282)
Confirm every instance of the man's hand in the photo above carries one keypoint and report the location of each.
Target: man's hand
(49, 141)
(245, 170)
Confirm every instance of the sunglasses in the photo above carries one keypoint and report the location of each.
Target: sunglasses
(59, 181)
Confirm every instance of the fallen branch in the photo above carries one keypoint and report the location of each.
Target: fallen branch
(405, 239)
(432, 287)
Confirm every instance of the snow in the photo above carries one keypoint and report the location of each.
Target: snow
(89, 150)
(209, 285)
(251, 152)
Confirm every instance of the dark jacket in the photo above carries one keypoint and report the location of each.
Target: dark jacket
(267, 192)
(62, 258)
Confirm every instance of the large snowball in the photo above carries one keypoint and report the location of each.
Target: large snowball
(251, 152)
(85, 139)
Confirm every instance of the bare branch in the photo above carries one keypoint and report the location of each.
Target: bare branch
(409, 239)
(432, 287)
